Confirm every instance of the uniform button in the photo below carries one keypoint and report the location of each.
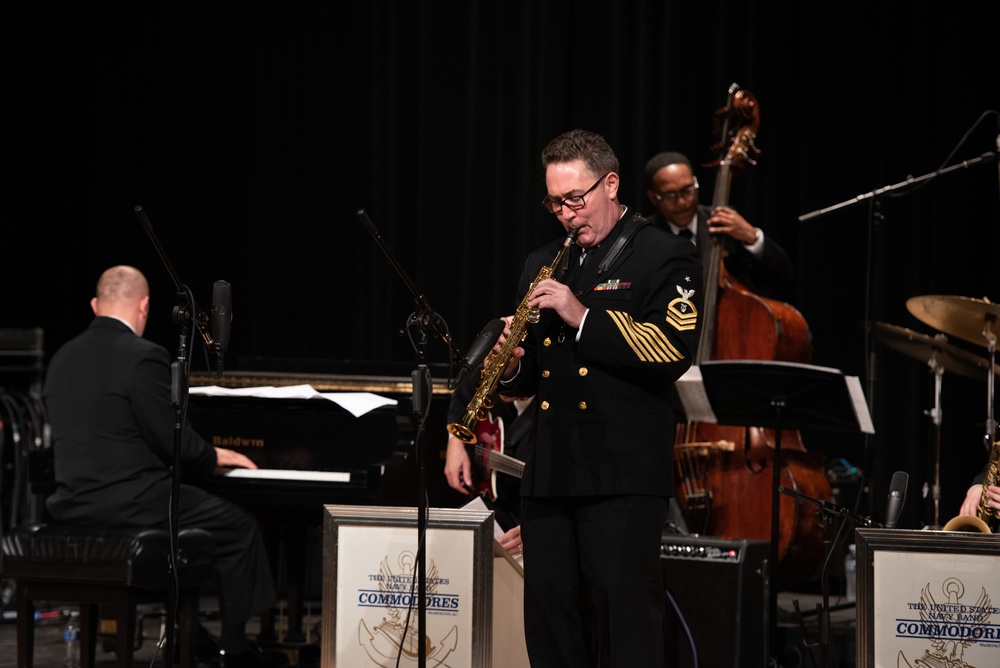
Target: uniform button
(546, 373)
(545, 405)
(583, 405)
(583, 371)
(547, 342)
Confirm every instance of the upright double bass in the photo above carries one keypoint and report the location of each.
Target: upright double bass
(725, 473)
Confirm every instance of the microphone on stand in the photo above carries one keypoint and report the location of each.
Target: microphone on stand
(221, 320)
(480, 348)
(897, 497)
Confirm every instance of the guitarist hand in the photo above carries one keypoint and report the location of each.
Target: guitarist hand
(511, 541)
(458, 467)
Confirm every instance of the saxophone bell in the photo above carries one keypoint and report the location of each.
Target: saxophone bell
(970, 523)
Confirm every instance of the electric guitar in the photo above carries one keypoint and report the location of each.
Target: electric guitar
(487, 454)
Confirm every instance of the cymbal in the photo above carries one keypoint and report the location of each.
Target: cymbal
(963, 317)
(926, 348)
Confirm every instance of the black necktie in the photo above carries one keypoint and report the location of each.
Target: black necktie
(574, 264)
(686, 233)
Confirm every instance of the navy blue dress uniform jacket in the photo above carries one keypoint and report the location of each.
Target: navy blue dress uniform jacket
(604, 422)
(107, 394)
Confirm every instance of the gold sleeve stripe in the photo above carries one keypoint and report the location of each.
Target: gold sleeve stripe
(646, 340)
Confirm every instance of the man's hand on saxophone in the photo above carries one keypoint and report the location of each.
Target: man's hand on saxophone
(549, 293)
(511, 370)
(557, 296)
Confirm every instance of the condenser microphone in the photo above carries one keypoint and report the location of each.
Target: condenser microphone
(897, 497)
(221, 320)
(480, 348)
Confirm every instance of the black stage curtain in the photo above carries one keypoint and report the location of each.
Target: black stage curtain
(251, 133)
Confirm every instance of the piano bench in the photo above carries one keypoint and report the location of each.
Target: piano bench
(91, 567)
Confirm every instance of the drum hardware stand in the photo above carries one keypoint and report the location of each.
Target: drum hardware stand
(938, 370)
(419, 325)
(991, 347)
(963, 317)
(823, 609)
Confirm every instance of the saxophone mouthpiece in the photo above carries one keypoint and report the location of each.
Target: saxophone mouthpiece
(571, 237)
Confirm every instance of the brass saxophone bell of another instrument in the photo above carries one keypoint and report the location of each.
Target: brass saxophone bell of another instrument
(966, 523)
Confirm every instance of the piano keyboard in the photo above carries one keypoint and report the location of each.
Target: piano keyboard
(289, 474)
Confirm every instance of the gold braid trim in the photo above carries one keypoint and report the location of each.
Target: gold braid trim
(648, 342)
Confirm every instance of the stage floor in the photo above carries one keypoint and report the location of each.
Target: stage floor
(50, 651)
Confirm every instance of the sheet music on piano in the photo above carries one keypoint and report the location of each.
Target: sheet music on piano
(357, 403)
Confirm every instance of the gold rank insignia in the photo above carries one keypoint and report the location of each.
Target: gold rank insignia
(681, 313)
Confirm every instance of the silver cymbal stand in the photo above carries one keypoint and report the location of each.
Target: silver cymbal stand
(936, 414)
(991, 346)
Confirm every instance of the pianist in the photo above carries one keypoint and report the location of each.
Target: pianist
(107, 396)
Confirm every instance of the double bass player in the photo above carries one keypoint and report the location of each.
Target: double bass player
(752, 257)
(746, 274)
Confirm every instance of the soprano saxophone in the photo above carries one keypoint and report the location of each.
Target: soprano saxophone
(985, 520)
(482, 400)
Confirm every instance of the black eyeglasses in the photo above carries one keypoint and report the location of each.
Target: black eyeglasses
(575, 202)
(683, 193)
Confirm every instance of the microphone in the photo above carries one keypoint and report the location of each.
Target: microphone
(480, 348)
(221, 320)
(897, 497)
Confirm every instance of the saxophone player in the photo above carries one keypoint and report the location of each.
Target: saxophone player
(612, 332)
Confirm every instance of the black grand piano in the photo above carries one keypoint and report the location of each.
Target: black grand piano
(312, 452)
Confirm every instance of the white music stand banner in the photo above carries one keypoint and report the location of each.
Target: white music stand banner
(927, 598)
(370, 587)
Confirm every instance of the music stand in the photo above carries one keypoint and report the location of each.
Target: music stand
(780, 395)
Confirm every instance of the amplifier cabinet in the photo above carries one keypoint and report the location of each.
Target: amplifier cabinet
(715, 591)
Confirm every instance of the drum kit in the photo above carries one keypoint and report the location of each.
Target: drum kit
(972, 320)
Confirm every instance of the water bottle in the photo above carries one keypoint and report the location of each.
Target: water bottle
(851, 573)
(71, 635)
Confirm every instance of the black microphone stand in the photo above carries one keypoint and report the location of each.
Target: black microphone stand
(186, 315)
(830, 512)
(421, 322)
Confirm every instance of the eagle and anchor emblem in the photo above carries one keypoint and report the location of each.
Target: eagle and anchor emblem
(395, 640)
